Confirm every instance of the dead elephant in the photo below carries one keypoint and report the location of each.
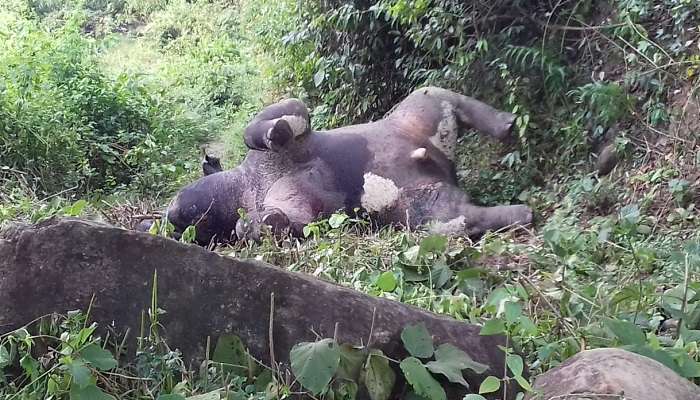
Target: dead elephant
(400, 168)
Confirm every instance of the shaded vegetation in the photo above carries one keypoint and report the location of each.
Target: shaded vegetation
(114, 97)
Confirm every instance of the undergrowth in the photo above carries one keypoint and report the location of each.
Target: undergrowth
(612, 260)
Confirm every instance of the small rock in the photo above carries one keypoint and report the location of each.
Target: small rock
(607, 160)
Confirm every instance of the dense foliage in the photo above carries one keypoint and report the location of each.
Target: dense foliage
(94, 114)
(114, 96)
(574, 74)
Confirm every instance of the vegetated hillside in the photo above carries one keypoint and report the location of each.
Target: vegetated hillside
(116, 97)
(133, 87)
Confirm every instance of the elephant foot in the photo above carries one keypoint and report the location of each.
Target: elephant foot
(499, 217)
(520, 215)
(251, 227)
(211, 165)
(248, 229)
(279, 135)
(276, 220)
(483, 219)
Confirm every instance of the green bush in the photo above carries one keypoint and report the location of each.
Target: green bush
(67, 125)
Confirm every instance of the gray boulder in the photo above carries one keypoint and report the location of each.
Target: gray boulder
(60, 265)
(613, 374)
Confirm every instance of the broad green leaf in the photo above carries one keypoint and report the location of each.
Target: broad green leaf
(80, 373)
(690, 368)
(231, 354)
(314, 364)
(345, 390)
(30, 366)
(319, 77)
(5, 359)
(351, 361)
(90, 392)
(410, 255)
(417, 341)
(98, 357)
(523, 383)
(414, 396)
(513, 311)
(263, 380)
(440, 274)
(490, 385)
(474, 397)
(387, 282)
(688, 335)
(189, 235)
(337, 220)
(627, 332)
(492, 327)
(630, 214)
(515, 364)
(686, 366)
(76, 208)
(377, 376)
(420, 379)
(433, 244)
(171, 397)
(527, 327)
(450, 361)
(213, 395)
(659, 355)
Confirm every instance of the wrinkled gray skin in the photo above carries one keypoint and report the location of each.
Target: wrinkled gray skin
(400, 168)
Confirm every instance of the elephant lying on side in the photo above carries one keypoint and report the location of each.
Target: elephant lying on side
(400, 169)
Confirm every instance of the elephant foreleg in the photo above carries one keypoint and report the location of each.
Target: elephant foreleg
(291, 203)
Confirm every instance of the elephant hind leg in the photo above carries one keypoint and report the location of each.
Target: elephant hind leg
(433, 109)
(479, 220)
(445, 209)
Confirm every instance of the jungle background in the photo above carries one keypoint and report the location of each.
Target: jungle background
(105, 105)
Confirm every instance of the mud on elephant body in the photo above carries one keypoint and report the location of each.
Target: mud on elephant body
(400, 168)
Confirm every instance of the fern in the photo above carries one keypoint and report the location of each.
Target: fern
(607, 103)
(529, 57)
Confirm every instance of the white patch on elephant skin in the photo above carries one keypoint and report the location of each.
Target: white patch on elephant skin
(419, 154)
(451, 227)
(379, 193)
(298, 124)
(445, 137)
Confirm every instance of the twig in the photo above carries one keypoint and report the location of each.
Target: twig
(271, 338)
(659, 132)
(505, 369)
(59, 193)
(586, 396)
(686, 285)
(550, 305)
(371, 327)
(141, 217)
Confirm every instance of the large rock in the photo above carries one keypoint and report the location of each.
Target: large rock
(59, 265)
(613, 374)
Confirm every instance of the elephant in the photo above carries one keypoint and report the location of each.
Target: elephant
(399, 169)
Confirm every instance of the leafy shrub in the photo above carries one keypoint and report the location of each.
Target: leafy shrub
(208, 69)
(67, 125)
